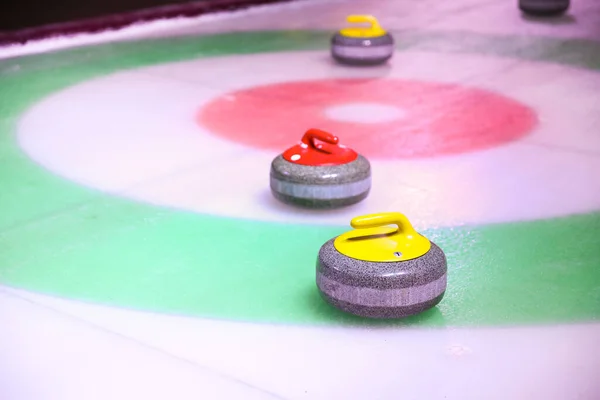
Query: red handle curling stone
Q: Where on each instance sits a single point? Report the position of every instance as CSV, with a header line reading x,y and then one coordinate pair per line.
x,y
319,148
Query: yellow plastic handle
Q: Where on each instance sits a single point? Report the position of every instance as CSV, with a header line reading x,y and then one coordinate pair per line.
x,y
372,30
374,240
364,19
383,219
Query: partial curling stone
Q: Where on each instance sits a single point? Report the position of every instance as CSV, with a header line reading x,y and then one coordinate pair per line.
x,y
362,45
319,172
544,8
381,271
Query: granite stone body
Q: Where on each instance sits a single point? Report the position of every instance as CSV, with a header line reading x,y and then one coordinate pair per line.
x,y
544,7
362,51
381,289
320,186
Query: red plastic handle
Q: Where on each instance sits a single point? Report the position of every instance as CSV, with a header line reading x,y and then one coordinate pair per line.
x,y
318,147
325,137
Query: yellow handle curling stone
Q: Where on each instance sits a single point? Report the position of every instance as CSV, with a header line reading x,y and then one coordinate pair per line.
x,y
362,45
382,269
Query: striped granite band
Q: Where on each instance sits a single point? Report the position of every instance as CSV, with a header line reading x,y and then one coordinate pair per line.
x,y
363,52
371,297
324,192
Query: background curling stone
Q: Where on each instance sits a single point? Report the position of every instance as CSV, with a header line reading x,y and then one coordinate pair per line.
x,y
544,7
379,271
362,45
320,173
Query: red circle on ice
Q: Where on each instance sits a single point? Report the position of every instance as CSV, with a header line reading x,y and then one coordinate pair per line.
x,y
432,118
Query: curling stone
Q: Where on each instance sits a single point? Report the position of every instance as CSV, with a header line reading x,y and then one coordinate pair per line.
x,y
362,45
319,172
380,271
544,7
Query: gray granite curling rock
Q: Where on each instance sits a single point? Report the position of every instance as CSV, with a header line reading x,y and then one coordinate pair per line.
x,y
381,289
362,51
544,7
320,186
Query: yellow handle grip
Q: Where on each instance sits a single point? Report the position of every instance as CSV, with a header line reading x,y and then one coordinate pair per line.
x,y
383,219
364,19
374,29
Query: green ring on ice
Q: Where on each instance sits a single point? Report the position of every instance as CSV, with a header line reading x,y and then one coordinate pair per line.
x,y
62,239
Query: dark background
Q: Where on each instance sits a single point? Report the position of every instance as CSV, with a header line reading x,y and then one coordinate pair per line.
x,y
19,14
22,20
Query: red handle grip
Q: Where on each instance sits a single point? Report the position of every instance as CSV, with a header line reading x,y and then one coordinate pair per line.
x,y
326,137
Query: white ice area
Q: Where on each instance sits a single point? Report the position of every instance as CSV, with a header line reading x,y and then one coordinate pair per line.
x,y
46,354
365,113
133,134
147,356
